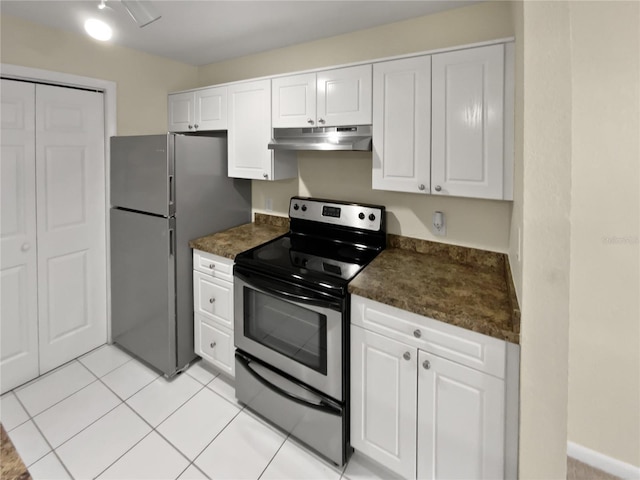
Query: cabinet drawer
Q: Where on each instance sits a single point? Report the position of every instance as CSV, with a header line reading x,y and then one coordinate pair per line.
x,y
214,265
213,298
484,353
214,344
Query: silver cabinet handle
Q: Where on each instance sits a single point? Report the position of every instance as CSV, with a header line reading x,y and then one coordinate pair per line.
x,y
211,300
196,126
190,127
321,120
266,176
212,344
212,266
417,333
438,188
421,186
406,356
426,364
25,246
310,121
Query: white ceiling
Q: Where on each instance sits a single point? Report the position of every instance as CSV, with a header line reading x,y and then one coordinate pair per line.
x,y
207,31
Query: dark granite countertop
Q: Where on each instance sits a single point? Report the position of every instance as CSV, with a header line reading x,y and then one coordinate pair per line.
x,y
466,287
461,286
233,241
11,465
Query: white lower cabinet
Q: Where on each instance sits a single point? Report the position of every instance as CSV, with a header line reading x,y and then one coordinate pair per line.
x,y
213,307
419,414
383,400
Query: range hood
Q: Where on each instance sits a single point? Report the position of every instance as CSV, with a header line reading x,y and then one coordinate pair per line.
x,y
322,138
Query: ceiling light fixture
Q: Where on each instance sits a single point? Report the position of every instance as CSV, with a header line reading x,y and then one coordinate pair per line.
x,y
141,11
98,29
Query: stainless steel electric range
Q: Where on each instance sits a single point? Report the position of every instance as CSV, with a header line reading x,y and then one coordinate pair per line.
x,y
292,320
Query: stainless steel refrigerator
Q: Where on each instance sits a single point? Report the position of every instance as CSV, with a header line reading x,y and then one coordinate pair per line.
x,y
165,191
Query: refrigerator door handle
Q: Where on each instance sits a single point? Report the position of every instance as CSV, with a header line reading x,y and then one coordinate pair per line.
x,y
172,190
172,242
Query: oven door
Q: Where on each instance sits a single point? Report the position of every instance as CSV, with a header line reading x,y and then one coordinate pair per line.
x,y
294,329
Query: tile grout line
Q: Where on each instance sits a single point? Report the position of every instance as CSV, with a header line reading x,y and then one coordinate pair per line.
x,y
153,429
53,450
274,456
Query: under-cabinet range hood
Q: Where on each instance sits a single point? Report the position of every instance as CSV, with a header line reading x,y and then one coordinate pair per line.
x,y
322,138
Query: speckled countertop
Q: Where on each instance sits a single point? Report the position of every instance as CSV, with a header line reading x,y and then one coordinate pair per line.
x,y
466,287
11,465
461,286
230,243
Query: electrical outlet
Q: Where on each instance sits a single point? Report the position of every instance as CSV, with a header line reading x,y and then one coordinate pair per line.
x,y
268,204
439,225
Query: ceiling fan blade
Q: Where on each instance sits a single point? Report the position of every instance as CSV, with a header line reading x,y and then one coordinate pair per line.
x,y
142,11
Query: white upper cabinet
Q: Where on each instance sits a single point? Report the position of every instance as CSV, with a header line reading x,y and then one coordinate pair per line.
x,y
443,124
250,133
402,125
200,110
329,98
294,101
468,122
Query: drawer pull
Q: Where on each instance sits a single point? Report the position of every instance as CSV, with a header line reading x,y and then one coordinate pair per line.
x,y
426,364
211,300
417,333
212,344
212,266
406,356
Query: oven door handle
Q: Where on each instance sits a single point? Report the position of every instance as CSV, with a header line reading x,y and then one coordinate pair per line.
x,y
269,287
322,405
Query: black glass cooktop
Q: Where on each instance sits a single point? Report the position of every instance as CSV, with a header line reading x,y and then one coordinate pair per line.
x,y
308,259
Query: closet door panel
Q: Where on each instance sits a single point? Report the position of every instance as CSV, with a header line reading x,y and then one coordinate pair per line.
x,y
71,223
18,261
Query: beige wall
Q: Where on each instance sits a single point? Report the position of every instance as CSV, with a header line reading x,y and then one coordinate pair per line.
x,y
515,236
143,80
476,223
604,347
578,148
546,145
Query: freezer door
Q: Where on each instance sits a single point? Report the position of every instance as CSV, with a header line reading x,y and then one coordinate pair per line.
x,y
143,312
142,173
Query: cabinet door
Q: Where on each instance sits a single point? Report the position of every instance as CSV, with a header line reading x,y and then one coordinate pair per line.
x,y
460,421
468,123
294,101
214,344
211,109
18,258
344,96
250,130
181,112
383,400
402,125
213,298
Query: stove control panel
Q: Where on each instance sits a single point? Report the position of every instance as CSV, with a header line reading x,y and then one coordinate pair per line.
x,y
365,217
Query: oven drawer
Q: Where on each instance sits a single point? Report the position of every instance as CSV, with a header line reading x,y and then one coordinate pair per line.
x,y
213,265
484,353
213,298
313,419
214,344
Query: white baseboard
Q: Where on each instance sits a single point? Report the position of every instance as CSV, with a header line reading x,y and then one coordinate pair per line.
x,y
603,462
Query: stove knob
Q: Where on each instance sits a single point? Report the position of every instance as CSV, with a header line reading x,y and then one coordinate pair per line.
x,y
304,208
361,216
295,206
372,217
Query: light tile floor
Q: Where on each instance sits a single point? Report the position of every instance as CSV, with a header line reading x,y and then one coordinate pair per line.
x,y
108,416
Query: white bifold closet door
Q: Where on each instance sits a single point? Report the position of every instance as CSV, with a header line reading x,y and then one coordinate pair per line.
x,y
53,258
